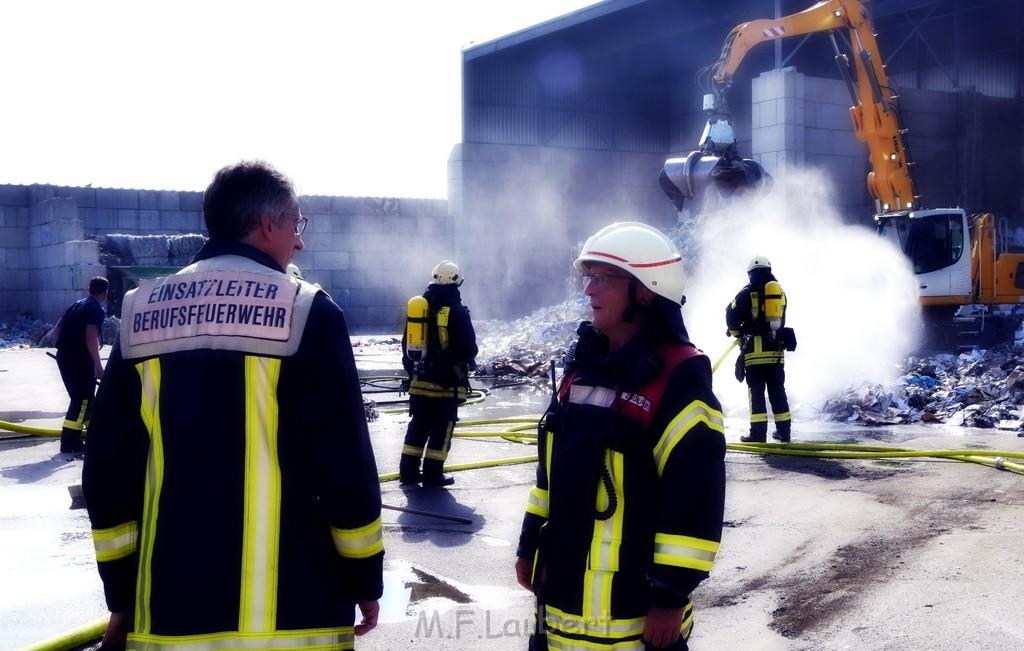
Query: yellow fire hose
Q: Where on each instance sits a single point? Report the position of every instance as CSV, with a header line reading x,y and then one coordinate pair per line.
x,y
725,354
26,429
72,638
523,430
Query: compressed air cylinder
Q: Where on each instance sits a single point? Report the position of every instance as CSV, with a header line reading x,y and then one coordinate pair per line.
x,y
416,328
773,304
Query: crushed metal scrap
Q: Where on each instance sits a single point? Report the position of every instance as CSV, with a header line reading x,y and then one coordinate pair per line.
x,y
983,388
525,347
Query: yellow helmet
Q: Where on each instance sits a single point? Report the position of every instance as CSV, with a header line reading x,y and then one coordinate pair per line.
x,y
447,273
642,251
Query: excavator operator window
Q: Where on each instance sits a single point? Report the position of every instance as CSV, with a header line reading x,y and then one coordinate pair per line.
x,y
935,242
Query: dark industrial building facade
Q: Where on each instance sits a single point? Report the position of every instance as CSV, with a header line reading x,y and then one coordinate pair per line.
x,y
566,124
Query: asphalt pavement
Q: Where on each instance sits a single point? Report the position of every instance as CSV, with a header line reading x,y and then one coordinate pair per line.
x,y
817,553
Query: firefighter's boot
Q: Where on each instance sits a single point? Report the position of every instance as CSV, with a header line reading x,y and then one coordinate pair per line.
x,y
782,431
758,433
409,470
71,441
437,482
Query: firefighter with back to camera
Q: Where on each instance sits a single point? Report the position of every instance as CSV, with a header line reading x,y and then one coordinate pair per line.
x,y
625,518
438,348
758,316
229,476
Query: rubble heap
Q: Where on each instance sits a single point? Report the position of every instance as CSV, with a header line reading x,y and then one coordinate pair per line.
x,y
27,332
983,388
23,333
524,348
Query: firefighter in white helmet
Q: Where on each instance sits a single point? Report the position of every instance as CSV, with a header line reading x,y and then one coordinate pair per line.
x,y
625,517
438,377
758,316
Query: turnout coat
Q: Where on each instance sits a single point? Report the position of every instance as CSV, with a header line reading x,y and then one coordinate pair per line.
x,y
229,477
627,508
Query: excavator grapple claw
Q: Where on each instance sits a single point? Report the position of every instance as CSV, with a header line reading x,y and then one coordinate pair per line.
x,y
683,178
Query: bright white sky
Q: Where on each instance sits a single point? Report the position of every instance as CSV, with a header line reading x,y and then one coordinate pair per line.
x,y
349,97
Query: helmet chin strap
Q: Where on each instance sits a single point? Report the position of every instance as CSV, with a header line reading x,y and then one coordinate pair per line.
x,y
630,312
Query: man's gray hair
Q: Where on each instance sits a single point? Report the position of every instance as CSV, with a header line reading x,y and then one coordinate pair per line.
x,y
241,194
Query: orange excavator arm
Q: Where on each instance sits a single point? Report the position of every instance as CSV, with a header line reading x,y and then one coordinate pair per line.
x,y
875,117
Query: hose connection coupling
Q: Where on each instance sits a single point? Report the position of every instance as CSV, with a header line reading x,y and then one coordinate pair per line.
x,y
998,463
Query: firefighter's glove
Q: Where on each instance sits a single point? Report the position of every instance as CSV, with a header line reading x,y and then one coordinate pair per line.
x,y
732,333
741,369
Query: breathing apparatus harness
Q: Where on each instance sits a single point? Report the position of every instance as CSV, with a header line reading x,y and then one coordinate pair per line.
x,y
589,352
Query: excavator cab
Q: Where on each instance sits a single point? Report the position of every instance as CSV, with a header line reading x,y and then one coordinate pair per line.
x,y
935,243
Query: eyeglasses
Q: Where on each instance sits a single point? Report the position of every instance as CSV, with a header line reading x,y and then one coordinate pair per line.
x,y
300,222
601,279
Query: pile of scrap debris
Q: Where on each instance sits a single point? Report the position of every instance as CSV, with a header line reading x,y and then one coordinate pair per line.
x,y
524,348
978,389
23,332
983,388
27,332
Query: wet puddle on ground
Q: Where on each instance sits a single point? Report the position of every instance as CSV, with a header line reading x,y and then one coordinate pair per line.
x,y
408,586
408,589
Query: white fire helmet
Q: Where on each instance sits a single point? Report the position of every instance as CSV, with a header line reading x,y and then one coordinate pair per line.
x,y
759,262
293,270
447,273
642,251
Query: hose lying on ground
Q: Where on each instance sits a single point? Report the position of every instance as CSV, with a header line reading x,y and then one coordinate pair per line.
x,y
75,637
27,429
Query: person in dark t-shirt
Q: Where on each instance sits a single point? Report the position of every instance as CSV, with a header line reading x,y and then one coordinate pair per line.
x,y
78,338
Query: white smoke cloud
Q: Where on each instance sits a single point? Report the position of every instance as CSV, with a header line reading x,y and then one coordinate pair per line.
x,y
852,297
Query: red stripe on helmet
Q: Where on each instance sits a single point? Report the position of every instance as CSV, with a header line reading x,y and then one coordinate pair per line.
x,y
659,264
608,255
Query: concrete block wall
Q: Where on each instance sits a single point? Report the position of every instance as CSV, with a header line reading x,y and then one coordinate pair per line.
x,y
373,254
370,254
60,260
15,273
804,122
965,147
520,214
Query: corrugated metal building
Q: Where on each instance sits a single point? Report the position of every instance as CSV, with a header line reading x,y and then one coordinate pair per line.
x,y
566,124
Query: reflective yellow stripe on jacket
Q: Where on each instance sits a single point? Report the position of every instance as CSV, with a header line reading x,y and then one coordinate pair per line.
x,y
694,413
116,542
611,632
149,409
758,355
316,639
684,551
605,545
537,503
361,542
262,525
418,387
